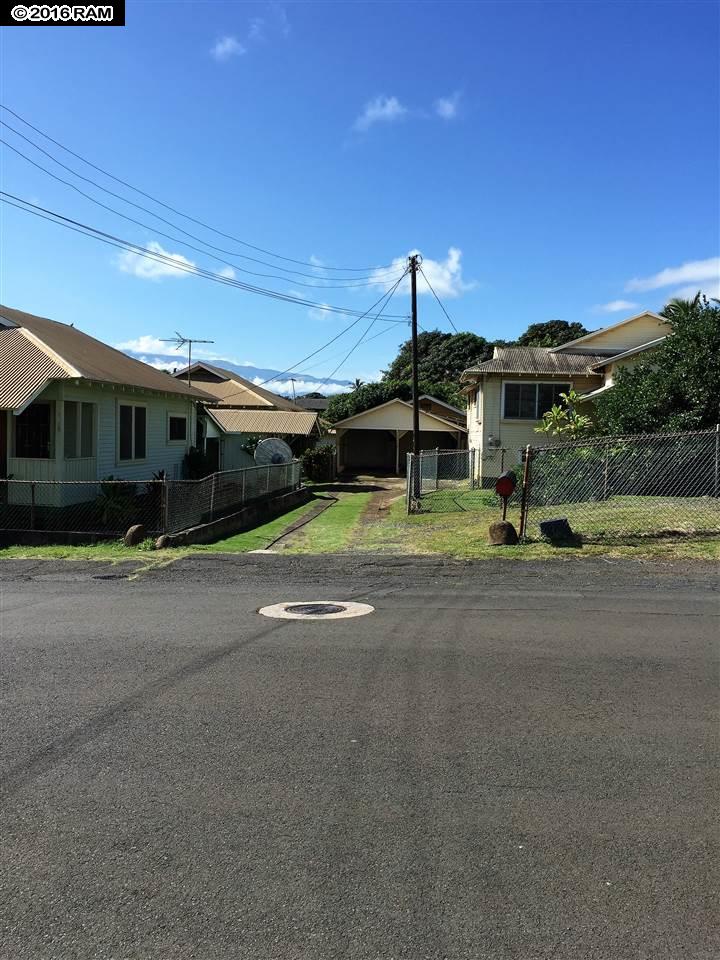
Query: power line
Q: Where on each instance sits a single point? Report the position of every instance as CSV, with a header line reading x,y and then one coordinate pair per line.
x,y
186,216
88,231
309,371
386,296
438,300
365,333
360,282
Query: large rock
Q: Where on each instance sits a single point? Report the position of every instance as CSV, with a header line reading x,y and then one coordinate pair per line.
x,y
134,536
163,542
557,531
503,534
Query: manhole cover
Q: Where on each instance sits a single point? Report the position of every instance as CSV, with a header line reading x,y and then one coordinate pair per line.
x,y
316,610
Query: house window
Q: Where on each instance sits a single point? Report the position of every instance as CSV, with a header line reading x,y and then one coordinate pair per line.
x,y
529,401
132,429
33,434
79,429
177,429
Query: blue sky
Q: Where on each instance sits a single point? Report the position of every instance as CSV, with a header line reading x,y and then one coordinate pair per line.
x,y
550,160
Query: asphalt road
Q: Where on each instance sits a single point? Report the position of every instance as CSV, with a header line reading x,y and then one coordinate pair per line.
x,y
503,761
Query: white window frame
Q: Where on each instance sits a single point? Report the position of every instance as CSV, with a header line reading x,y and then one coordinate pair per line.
x,y
78,429
536,383
176,416
133,459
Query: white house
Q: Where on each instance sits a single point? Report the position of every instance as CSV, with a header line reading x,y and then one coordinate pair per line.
x,y
73,408
508,394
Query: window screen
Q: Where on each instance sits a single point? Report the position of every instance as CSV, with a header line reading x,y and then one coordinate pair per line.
x,y
126,433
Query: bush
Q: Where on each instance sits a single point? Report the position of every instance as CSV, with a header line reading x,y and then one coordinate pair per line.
x,y
318,463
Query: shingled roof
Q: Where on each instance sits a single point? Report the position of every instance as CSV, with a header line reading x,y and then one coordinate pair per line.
x,y
536,360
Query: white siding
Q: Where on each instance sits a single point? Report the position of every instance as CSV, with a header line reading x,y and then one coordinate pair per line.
x,y
161,453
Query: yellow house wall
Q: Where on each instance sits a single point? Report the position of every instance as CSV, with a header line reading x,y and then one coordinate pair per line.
x,y
625,337
484,419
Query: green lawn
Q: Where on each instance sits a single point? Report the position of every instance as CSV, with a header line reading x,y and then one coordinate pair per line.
x,y
334,530
464,535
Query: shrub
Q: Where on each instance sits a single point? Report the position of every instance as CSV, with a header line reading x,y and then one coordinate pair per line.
x,y
318,463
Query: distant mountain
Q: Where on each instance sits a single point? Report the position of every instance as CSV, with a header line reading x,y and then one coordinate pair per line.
x,y
283,385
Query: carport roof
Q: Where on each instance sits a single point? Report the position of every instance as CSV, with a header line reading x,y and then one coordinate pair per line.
x,y
399,419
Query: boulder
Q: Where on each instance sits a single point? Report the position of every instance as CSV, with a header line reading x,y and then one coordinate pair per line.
x,y
162,542
503,534
557,531
134,536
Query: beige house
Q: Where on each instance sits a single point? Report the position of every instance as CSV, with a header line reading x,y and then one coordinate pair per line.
x,y
73,408
378,440
239,410
508,394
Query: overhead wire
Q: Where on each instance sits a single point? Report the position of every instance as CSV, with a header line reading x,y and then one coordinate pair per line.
x,y
180,213
360,282
442,307
386,296
362,337
183,267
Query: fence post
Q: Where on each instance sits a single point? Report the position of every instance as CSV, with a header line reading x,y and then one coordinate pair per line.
x,y
267,482
605,472
212,497
32,506
716,486
164,506
524,501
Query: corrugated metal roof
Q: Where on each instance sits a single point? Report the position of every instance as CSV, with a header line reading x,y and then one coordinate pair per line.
x,y
237,391
536,360
24,369
271,422
95,360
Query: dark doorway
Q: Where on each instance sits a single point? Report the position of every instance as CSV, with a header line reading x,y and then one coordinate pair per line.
x,y
212,450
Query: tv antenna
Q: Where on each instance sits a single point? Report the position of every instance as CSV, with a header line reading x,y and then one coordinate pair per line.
x,y
180,341
292,381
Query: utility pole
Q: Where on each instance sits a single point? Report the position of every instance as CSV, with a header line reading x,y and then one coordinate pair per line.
x,y
179,340
292,381
413,263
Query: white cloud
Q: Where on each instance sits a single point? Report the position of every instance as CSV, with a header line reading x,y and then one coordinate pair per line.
x,y
615,306
227,47
380,110
711,291
447,107
697,272
227,272
445,276
302,386
321,312
141,266
257,29
145,344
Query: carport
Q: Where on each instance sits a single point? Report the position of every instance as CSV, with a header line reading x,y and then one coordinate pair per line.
x,y
379,439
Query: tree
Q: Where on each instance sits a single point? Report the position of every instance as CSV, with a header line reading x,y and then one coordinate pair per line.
x,y
551,334
674,387
563,419
441,356
357,383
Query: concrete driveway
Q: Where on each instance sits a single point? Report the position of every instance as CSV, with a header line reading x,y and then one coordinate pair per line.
x,y
503,761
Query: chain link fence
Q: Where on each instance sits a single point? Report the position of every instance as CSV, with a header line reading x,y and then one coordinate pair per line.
x,y
447,481
621,488
110,507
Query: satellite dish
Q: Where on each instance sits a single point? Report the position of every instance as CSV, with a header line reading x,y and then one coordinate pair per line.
x,y
272,450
